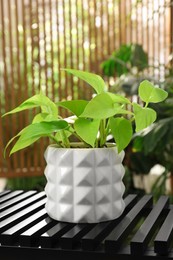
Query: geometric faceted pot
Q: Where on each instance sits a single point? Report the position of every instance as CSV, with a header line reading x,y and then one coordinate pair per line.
x,y
84,185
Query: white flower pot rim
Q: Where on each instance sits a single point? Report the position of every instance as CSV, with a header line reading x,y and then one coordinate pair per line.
x,y
81,146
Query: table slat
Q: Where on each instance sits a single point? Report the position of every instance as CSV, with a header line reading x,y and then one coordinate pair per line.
x,y
115,238
3,193
163,240
53,235
24,204
16,200
74,235
10,195
19,216
11,235
31,236
142,237
101,230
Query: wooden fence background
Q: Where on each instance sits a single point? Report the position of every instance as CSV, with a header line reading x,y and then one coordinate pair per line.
x,y
39,37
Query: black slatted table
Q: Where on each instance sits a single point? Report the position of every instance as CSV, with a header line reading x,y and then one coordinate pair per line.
x,y
144,231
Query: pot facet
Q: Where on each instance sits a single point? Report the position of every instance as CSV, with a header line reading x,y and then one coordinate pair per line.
x,y
84,185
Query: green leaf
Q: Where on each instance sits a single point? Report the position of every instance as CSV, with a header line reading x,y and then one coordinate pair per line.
x,y
102,106
44,117
87,129
39,118
92,79
150,94
121,129
44,128
138,142
37,100
158,132
122,56
33,132
139,58
22,143
143,116
109,67
118,98
9,142
75,106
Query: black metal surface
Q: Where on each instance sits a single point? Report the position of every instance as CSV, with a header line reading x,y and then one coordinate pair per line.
x,y
142,237
164,238
119,233
144,230
91,240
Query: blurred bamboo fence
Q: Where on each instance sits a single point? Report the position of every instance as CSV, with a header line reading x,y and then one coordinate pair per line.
x,y
39,37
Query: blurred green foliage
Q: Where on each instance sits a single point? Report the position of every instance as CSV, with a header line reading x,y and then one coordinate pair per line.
x,y
124,59
27,183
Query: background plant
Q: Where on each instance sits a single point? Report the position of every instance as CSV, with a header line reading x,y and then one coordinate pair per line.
x,y
126,67
123,60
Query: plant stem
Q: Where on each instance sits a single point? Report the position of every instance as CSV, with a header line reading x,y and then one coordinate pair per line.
x,y
132,119
107,128
102,132
76,135
65,139
55,140
146,104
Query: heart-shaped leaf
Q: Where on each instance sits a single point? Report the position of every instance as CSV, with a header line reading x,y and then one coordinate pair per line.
x,y
75,106
121,129
44,117
102,106
150,94
87,129
93,80
118,99
143,116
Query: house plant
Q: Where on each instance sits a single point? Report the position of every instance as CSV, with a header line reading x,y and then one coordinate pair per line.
x,y
84,177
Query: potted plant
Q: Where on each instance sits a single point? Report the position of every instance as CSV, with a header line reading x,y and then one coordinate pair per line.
x,y
84,178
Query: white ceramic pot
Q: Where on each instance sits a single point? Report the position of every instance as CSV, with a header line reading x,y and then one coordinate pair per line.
x,y
84,184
